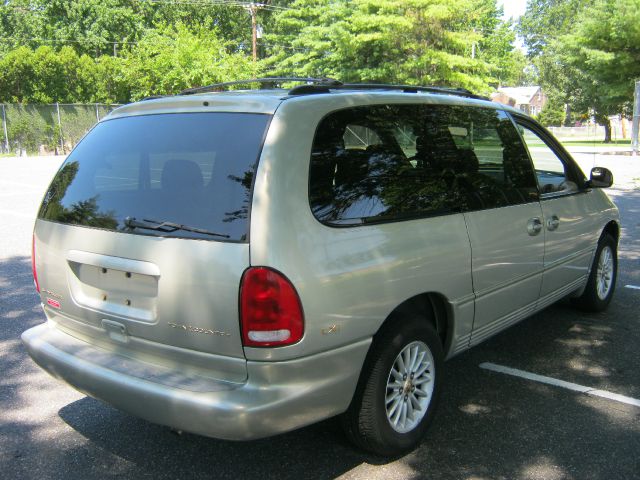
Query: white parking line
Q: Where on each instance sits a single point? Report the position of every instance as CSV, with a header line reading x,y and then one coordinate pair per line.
x,y
635,287
560,383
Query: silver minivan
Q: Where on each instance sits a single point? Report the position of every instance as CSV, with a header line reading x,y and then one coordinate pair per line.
x,y
239,264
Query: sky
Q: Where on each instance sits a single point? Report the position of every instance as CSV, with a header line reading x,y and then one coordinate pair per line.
x,y
513,8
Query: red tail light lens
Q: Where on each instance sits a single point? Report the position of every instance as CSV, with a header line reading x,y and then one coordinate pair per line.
x,y
270,310
33,264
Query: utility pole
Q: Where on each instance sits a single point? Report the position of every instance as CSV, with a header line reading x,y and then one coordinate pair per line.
x,y
60,128
253,10
4,127
636,119
473,46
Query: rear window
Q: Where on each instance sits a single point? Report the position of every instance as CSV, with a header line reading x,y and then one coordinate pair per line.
x,y
182,175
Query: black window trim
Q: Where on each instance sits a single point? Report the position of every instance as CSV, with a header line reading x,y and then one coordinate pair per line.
x,y
556,147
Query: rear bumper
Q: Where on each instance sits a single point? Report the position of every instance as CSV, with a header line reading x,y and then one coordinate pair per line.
x,y
277,397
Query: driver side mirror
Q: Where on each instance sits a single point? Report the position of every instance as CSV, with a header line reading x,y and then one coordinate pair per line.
x,y
600,178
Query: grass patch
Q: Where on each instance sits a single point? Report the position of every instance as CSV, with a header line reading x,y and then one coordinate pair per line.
x,y
597,143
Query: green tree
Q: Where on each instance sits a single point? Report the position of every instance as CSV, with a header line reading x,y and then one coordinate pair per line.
x,y
110,80
109,27
542,27
545,20
20,23
588,53
49,81
92,25
604,47
414,41
172,58
507,62
16,75
553,114
45,75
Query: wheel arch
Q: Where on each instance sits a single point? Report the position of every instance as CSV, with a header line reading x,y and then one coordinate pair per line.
x,y
433,307
612,228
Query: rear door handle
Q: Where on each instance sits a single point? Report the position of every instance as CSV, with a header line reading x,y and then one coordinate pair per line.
x,y
553,222
534,226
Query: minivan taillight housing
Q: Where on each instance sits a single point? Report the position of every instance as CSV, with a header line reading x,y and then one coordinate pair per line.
x,y
270,309
33,264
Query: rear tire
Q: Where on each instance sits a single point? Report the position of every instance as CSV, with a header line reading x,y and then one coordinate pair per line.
x,y
398,389
602,278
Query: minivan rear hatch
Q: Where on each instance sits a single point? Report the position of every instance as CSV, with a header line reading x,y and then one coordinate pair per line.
x,y
142,237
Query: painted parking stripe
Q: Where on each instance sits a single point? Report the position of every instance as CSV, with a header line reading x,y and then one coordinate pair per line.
x,y
560,383
634,287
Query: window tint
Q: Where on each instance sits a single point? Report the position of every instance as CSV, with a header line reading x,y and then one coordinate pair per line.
x,y
193,169
552,174
420,160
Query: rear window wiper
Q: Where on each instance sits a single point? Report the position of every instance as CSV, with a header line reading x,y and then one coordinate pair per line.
x,y
148,224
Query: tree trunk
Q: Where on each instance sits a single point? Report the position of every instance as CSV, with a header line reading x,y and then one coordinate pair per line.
x,y
567,117
607,130
604,120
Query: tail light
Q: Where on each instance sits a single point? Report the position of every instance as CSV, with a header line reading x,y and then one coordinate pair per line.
x,y
33,264
270,310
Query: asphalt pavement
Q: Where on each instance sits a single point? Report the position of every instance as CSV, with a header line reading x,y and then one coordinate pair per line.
x,y
489,426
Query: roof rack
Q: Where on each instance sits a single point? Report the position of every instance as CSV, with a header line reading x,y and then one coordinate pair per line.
x,y
153,97
267,82
315,88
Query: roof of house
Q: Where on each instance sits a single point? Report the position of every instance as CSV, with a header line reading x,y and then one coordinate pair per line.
x,y
522,95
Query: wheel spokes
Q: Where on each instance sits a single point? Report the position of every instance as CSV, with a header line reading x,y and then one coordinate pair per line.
x,y
409,387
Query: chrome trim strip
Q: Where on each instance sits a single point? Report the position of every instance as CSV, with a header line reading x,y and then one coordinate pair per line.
x,y
497,326
463,300
558,294
461,345
493,328
568,258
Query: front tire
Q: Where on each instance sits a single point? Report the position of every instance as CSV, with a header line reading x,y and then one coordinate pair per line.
x,y
602,279
398,390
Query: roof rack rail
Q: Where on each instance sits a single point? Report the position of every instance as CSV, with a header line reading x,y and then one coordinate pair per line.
x,y
153,97
315,88
268,82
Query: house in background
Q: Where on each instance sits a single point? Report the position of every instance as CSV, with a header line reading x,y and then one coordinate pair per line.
x,y
530,100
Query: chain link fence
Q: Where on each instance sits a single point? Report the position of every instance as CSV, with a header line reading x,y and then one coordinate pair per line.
x,y
30,129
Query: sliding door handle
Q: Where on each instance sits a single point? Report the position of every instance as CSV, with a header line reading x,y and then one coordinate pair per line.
x,y
534,226
553,222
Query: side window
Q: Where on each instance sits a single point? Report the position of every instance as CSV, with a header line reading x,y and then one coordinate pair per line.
x,y
551,172
360,175
478,152
387,162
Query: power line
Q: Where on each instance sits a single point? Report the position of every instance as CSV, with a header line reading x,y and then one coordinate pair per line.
x,y
217,3
285,47
127,42
203,3
67,40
